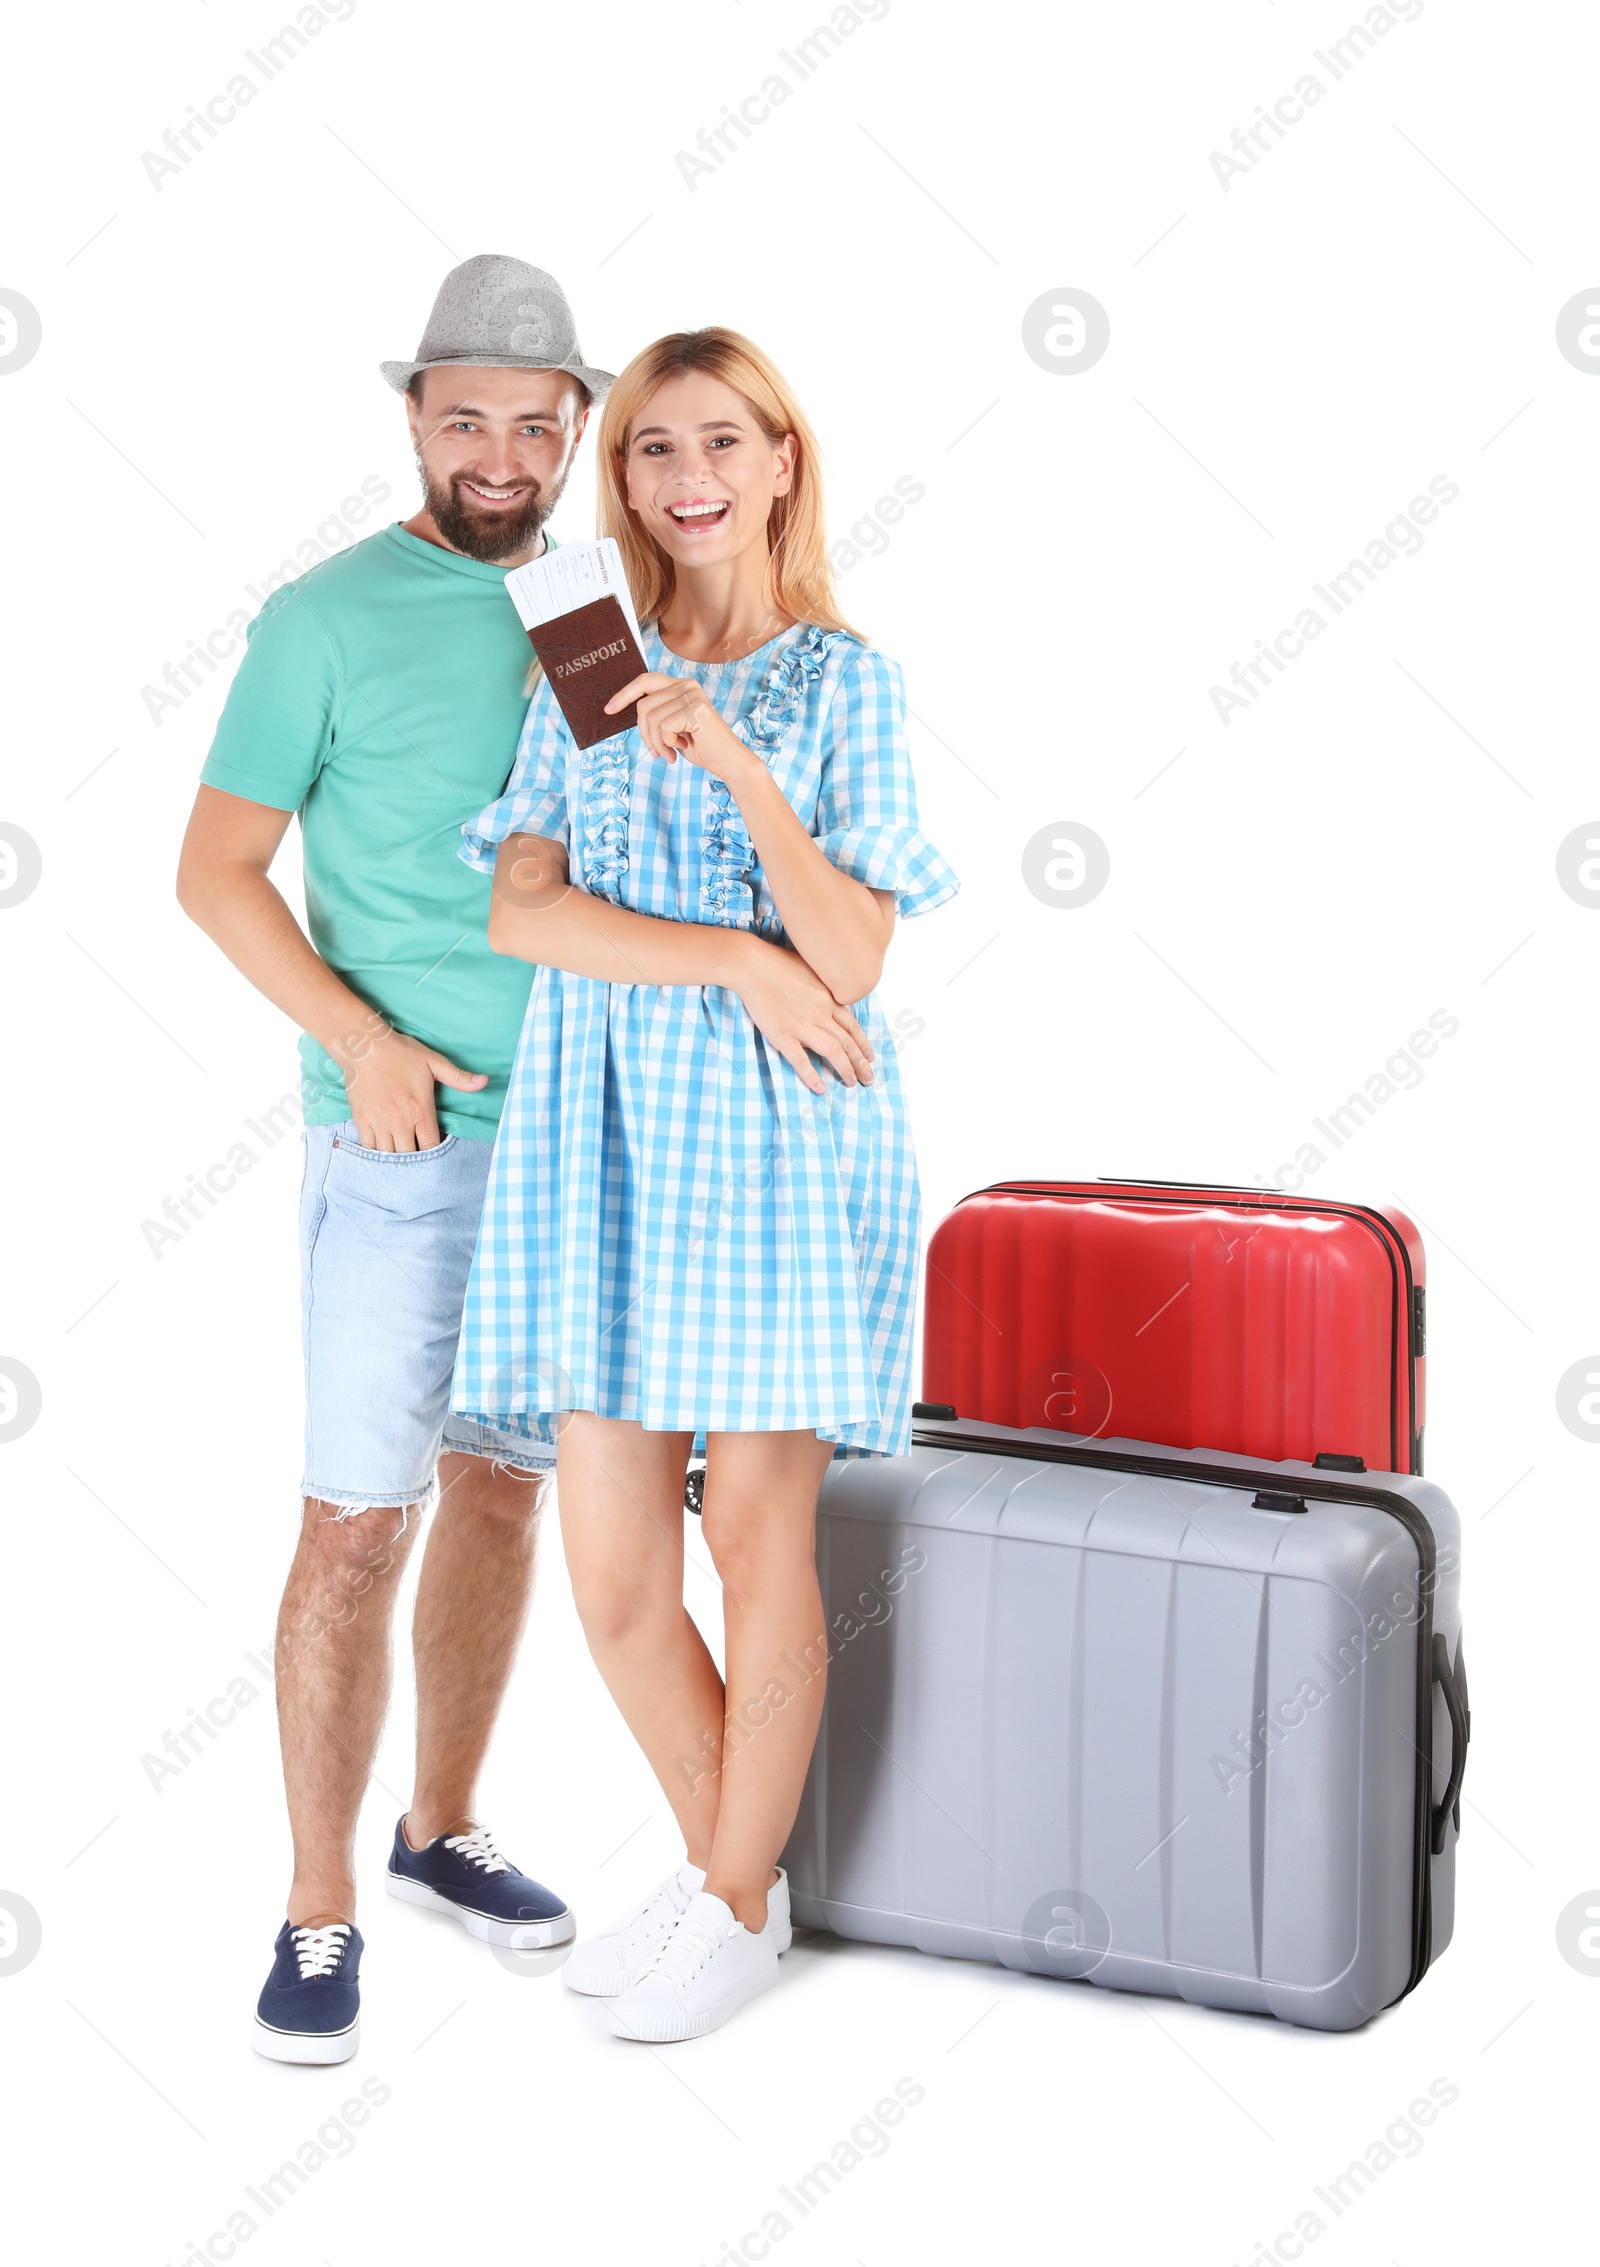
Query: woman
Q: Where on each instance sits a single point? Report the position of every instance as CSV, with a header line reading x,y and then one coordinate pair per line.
x,y
703,1211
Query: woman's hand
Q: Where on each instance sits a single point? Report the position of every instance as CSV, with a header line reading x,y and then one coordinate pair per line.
x,y
676,719
795,1012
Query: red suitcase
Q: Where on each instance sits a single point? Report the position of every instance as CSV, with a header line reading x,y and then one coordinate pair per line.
x,y
1239,1319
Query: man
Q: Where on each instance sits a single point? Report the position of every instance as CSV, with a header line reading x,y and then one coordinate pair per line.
x,y
380,698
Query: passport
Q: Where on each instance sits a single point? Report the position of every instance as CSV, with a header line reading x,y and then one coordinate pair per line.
x,y
578,612
588,655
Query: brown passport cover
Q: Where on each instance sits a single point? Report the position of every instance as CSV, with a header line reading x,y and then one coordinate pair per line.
x,y
588,655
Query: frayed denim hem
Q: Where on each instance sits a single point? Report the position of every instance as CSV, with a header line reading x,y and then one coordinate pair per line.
x,y
352,1507
504,1463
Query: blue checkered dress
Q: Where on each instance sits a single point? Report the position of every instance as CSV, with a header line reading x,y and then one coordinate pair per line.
x,y
677,1230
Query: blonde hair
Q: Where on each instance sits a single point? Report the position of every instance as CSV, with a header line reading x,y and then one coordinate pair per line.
x,y
799,571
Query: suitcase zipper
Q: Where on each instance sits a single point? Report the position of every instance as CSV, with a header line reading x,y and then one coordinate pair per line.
x,y
1433,1659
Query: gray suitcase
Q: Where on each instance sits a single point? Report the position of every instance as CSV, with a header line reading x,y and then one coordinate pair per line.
x,y
1167,1720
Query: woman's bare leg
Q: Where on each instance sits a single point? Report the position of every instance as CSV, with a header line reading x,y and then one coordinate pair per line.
x,y
620,1490
760,1527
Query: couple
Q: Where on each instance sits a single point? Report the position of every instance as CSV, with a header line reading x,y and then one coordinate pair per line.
x,y
606,1158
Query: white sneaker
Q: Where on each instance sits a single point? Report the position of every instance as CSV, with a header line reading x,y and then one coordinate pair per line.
x,y
606,1965
706,1971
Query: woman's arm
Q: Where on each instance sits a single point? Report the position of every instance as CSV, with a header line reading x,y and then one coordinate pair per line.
x,y
537,913
838,925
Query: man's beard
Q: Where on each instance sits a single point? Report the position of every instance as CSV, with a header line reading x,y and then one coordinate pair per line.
x,y
489,536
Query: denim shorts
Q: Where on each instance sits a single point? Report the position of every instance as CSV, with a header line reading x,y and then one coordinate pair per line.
x,y
386,1241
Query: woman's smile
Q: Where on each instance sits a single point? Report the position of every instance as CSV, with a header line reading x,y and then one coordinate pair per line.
x,y
697,514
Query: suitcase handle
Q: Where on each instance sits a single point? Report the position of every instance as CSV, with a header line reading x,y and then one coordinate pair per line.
x,y
1453,1684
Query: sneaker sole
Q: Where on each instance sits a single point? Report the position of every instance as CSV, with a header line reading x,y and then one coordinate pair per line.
x,y
306,2046
666,2028
625,1981
608,1990
512,1936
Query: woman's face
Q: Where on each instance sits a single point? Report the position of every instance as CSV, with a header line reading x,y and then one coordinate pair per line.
x,y
702,474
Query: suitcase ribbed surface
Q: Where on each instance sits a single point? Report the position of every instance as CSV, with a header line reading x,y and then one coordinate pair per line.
x,y
1098,1724
1271,1329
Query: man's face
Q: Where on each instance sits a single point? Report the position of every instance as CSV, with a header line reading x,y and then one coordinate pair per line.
x,y
494,448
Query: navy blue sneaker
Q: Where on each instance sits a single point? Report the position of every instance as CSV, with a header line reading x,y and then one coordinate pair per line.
x,y
466,1875
310,2009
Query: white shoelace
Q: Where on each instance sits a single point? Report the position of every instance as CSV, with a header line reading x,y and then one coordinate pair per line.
x,y
479,1847
659,1910
686,1951
319,1951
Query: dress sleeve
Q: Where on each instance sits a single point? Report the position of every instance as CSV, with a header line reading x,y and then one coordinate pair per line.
x,y
867,806
535,799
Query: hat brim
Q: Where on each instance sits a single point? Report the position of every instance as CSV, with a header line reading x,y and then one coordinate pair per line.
x,y
400,374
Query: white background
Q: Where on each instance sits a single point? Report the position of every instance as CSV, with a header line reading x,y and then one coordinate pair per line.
x,y
1292,358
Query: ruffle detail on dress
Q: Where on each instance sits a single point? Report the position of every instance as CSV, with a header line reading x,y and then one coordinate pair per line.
x,y
726,857
606,778
726,851
898,858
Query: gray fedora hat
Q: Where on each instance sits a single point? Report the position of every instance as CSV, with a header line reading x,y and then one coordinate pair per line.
x,y
495,313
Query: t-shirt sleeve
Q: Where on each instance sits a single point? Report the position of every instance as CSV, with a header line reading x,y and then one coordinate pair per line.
x,y
867,805
281,718
535,800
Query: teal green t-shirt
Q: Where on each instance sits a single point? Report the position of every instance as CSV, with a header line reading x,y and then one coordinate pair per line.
x,y
381,697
